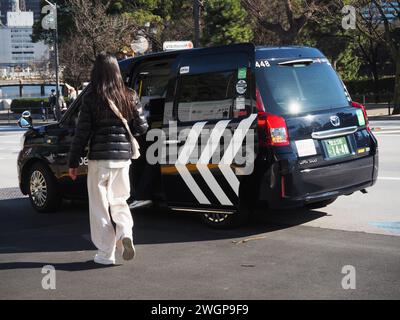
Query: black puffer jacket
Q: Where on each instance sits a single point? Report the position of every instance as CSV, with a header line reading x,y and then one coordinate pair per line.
x,y
108,137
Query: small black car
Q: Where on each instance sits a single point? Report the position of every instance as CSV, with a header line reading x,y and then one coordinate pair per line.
x,y
307,143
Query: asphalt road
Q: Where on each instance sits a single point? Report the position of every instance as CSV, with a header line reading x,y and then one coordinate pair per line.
x,y
297,254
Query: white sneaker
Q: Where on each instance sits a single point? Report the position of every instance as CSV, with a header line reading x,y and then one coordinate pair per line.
x,y
140,204
129,249
100,260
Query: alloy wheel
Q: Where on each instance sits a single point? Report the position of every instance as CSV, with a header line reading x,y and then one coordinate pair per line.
x,y
216,217
38,188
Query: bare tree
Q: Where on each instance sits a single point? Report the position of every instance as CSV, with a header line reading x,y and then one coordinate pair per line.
x,y
75,62
369,49
285,19
98,30
380,21
41,69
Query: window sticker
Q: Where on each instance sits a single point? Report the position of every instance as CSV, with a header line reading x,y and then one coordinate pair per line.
x,y
262,64
184,70
360,116
240,103
241,86
242,73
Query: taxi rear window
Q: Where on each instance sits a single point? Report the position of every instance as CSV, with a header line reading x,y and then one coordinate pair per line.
x,y
290,87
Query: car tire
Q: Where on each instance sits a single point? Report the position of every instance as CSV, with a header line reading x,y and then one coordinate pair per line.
x,y
43,189
223,220
320,204
227,221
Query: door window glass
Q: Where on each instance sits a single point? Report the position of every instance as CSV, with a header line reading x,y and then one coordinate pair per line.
x,y
213,96
151,83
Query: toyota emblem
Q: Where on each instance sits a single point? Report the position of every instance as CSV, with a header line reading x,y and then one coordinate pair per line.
x,y
335,121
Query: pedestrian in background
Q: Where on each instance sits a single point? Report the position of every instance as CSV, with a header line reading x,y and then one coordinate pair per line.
x,y
110,116
53,103
62,104
71,93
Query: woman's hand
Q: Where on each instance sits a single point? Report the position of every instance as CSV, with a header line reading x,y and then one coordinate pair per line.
x,y
73,172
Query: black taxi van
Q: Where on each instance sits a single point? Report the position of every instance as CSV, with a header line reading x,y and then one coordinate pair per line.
x,y
305,141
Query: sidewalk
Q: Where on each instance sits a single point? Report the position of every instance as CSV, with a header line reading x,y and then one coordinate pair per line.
x,y
380,112
36,122
384,118
10,119
381,115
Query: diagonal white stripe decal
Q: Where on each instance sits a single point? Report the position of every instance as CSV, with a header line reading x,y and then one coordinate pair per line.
x,y
212,144
183,159
232,150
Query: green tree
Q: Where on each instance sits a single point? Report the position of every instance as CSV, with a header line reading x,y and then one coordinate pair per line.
x,y
225,22
282,21
348,64
353,54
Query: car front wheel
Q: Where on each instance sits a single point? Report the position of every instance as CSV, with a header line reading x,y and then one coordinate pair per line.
x,y
43,189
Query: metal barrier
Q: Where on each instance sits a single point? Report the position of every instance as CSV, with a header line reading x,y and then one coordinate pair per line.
x,y
12,117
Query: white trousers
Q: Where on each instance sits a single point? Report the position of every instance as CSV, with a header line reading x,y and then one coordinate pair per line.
x,y
108,188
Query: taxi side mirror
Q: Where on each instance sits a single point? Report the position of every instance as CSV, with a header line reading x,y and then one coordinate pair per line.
x,y
26,120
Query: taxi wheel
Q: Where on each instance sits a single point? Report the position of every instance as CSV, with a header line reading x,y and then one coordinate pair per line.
x,y
43,189
225,221
320,204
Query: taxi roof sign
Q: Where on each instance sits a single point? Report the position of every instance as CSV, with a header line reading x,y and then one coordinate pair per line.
x,y
177,45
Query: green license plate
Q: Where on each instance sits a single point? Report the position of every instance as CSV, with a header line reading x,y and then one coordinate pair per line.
x,y
336,147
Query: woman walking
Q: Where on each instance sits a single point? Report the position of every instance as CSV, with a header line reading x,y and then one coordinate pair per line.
x,y
109,117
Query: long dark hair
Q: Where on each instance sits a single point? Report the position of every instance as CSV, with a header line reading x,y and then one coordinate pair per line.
x,y
107,84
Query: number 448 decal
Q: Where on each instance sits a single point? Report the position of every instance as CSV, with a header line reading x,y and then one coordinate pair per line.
x,y
262,64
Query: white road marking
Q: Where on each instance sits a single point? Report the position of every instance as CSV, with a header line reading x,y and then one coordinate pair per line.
x,y
388,135
386,131
389,178
10,149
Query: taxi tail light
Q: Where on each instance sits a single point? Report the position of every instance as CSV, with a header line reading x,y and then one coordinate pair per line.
x,y
272,128
360,106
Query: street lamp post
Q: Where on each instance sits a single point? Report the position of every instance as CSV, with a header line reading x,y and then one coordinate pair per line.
x,y
196,19
56,60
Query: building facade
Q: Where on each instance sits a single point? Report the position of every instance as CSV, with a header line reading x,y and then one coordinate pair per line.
x,y
17,49
19,5
34,6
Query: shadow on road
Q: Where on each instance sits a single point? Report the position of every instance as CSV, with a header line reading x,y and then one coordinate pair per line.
x,y
70,266
24,230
